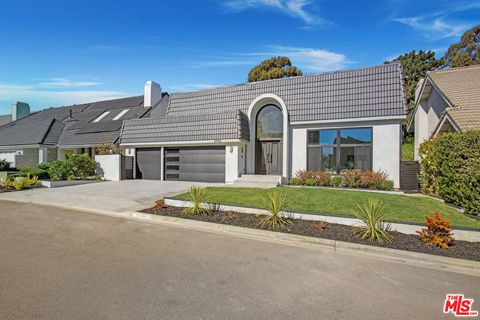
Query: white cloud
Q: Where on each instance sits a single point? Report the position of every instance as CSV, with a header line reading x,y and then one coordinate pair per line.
x,y
307,59
37,96
435,27
294,8
67,83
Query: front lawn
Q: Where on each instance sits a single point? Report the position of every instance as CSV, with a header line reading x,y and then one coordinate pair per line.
x,y
341,203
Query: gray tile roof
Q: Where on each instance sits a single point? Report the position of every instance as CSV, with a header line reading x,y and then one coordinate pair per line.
x,y
72,125
44,131
199,127
360,93
203,115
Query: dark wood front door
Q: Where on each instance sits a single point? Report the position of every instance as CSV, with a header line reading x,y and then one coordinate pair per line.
x,y
269,157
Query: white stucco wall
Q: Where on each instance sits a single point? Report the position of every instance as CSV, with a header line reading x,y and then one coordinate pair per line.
x,y
108,166
8,155
386,145
232,163
421,126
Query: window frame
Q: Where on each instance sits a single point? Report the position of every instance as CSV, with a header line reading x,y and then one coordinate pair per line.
x,y
338,145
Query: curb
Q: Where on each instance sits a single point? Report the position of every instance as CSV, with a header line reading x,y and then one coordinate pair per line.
x,y
400,256
459,234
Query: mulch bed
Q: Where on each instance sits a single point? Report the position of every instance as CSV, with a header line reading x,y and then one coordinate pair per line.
x,y
459,249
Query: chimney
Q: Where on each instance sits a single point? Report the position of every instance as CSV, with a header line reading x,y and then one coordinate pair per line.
x,y
152,94
20,110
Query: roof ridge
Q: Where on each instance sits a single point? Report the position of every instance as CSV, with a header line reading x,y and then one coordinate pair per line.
x,y
454,69
288,78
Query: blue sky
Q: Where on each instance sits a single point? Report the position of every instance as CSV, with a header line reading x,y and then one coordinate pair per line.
x,y
55,53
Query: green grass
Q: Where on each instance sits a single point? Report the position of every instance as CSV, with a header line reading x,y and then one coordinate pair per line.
x,y
408,148
341,203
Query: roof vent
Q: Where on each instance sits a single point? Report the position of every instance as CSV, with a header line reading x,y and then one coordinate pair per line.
x,y
152,94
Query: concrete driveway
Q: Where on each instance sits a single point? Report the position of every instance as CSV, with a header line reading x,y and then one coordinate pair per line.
x,y
119,196
62,264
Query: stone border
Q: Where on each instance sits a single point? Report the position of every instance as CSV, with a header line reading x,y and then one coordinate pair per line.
x,y
65,183
465,235
462,266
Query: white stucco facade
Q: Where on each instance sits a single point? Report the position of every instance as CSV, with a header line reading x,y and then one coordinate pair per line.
x,y
386,145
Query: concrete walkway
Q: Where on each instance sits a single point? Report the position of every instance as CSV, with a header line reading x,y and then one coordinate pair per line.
x,y
62,264
118,196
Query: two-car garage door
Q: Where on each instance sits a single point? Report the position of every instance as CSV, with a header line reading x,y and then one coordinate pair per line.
x,y
203,164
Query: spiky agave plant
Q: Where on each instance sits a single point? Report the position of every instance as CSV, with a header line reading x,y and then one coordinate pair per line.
x,y
372,214
197,196
276,203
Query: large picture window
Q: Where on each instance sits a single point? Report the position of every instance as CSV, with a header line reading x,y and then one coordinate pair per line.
x,y
336,150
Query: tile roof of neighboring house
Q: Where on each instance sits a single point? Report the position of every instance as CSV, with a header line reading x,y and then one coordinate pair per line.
x,y
5,119
44,131
461,87
73,125
360,93
199,127
203,115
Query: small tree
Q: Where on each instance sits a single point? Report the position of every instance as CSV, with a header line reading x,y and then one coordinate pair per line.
x,y
436,232
273,68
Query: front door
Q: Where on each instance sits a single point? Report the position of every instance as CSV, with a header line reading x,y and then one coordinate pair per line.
x,y
269,157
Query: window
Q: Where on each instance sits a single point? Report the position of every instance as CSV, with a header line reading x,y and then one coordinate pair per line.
x,y
270,123
335,150
118,116
100,117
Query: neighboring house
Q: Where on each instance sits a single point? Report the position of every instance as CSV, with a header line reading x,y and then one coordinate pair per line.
x,y
446,101
332,121
49,134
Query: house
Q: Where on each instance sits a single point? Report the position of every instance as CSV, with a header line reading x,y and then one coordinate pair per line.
x,y
50,134
331,121
446,101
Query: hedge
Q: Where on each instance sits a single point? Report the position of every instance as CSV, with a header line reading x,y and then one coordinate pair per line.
x,y
451,169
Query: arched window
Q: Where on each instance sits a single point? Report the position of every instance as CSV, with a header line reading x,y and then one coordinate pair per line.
x,y
270,123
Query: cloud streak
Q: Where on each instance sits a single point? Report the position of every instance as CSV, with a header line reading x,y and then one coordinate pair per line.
x,y
307,59
295,8
436,28
67,83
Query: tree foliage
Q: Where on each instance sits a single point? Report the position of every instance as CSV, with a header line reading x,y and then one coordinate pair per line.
x,y
273,68
415,67
466,52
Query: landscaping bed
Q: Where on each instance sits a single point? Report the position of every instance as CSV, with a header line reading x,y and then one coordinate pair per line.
x,y
332,231
328,201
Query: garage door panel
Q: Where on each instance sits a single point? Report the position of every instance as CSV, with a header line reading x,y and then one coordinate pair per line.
x,y
149,163
203,164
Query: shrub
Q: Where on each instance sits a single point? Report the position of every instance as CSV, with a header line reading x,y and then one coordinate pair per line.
x,y
295,181
276,203
386,185
4,165
451,169
310,182
59,170
336,181
20,183
436,232
323,178
160,204
81,165
39,172
103,149
372,179
77,165
303,175
372,215
352,178
197,196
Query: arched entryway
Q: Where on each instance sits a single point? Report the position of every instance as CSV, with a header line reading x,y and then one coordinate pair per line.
x,y
269,141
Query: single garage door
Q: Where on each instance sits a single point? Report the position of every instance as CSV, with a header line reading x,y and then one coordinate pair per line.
x,y
203,164
149,163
